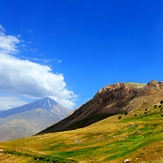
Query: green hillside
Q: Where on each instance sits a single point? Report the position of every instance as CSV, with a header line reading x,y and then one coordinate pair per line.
x,y
137,135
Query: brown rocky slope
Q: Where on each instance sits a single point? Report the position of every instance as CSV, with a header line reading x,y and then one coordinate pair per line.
x,y
112,99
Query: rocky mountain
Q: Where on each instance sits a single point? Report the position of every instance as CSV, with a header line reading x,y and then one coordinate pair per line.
x,y
31,118
112,99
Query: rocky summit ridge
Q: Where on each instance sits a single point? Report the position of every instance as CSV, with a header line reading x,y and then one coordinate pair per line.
x,y
114,92
110,100
155,85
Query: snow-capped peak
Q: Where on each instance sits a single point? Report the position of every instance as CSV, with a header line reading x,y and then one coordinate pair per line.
x,y
44,103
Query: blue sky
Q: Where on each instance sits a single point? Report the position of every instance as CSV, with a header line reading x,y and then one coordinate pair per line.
x,y
81,46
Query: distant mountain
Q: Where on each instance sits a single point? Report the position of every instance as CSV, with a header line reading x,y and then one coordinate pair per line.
x,y
111,100
31,118
44,103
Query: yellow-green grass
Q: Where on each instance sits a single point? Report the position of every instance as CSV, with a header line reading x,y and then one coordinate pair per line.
x,y
137,136
136,85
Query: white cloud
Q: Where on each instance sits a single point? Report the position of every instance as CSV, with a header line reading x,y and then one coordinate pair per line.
x,y
59,61
7,42
8,102
30,31
2,30
42,60
27,78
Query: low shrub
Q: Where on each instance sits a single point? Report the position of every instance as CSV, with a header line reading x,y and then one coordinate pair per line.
x,y
161,102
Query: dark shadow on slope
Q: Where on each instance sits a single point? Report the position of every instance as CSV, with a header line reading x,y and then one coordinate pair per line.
x,y
60,126
89,120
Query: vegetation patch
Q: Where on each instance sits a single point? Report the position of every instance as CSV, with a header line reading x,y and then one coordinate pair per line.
x,y
46,158
79,152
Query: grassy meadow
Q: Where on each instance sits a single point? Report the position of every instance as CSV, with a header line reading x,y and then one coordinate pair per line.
x,y
137,135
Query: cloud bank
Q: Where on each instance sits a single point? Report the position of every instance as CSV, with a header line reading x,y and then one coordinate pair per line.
x,y
8,102
27,78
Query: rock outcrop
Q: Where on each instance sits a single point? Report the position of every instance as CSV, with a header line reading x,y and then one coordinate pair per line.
x,y
115,93
154,85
